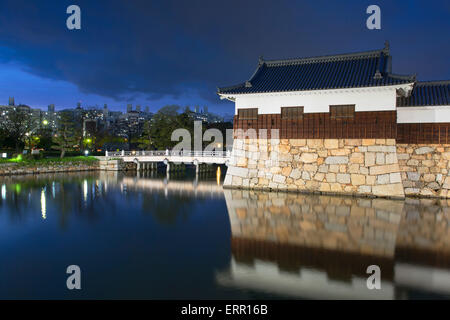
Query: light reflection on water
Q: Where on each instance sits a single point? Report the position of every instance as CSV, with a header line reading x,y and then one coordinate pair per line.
x,y
185,237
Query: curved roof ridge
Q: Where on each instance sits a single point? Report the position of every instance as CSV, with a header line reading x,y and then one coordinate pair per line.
x,y
411,77
432,82
326,58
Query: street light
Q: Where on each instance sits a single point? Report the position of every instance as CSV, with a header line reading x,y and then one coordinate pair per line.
x,y
45,122
86,152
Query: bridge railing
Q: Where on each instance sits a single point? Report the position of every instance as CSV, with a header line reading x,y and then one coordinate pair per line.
x,y
169,153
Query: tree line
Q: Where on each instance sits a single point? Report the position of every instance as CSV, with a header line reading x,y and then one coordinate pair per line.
x,y
18,131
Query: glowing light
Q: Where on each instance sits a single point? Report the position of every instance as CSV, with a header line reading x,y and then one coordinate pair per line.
x,y
86,152
85,190
43,205
4,191
218,174
45,122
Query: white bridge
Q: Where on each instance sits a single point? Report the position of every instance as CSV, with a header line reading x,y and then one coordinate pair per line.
x,y
145,158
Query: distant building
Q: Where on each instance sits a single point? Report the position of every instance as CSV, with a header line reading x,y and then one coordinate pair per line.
x,y
129,108
138,108
11,102
147,109
51,108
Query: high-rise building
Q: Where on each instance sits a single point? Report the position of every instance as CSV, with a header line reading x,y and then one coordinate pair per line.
x,y
138,108
147,109
11,101
205,109
79,105
129,108
51,108
197,109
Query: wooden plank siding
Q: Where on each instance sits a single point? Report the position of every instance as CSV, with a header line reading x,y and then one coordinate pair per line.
x,y
365,125
423,133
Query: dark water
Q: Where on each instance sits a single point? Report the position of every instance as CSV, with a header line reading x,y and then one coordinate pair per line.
x,y
182,238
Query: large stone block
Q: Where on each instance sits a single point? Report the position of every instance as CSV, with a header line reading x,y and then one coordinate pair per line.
x,y
336,160
413,176
358,179
388,168
423,150
278,178
298,142
343,178
237,171
389,190
357,157
308,157
295,174
381,149
331,143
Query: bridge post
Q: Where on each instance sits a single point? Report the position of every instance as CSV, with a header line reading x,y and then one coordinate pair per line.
x,y
106,153
168,167
123,153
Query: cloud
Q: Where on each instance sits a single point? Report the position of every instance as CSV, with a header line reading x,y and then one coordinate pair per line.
x,y
166,48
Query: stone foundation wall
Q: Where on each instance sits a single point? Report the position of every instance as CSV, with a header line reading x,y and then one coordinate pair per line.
x,y
340,166
106,164
63,167
424,169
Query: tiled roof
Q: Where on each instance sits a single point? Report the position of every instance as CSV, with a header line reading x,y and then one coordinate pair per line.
x,y
432,93
363,69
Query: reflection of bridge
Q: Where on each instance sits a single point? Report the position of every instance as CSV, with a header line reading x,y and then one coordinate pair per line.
x,y
203,188
171,156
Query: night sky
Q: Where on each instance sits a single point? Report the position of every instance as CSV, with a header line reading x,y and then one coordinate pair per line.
x,y
177,52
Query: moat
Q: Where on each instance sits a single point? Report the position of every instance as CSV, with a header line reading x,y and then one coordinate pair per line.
x,y
182,237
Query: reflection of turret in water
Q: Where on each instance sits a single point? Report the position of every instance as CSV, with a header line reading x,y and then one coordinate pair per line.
x,y
320,246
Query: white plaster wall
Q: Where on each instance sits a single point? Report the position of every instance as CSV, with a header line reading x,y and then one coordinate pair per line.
x,y
377,99
423,114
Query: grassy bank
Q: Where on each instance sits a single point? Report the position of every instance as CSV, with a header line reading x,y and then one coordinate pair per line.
x,y
28,162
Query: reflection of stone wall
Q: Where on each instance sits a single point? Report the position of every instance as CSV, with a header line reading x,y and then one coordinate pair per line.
x,y
425,169
367,226
350,166
424,233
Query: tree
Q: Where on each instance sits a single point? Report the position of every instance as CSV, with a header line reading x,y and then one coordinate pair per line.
x,y
67,136
17,125
145,141
165,121
45,138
